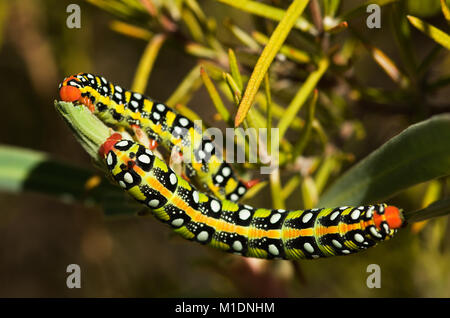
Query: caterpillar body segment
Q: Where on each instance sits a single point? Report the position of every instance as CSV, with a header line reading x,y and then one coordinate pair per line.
x,y
242,229
135,113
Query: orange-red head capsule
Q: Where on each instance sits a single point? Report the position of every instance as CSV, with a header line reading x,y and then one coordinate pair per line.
x,y
69,93
391,215
109,144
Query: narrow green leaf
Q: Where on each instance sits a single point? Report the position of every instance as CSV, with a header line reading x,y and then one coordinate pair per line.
x,y
215,97
193,26
290,186
269,12
309,193
185,89
25,170
234,68
268,110
268,54
289,51
438,208
275,189
241,35
146,63
233,86
445,10
437,35
420,153
306,133
302,95
130,30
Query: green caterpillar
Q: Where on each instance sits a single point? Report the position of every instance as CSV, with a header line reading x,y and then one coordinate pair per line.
x,y
242,229
136,113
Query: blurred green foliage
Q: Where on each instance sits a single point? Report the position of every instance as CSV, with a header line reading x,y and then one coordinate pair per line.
x,y
337,90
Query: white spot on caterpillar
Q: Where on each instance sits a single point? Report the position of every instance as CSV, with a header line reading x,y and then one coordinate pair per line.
x,y
153,203
237,246
334,215
178,130
122,143
209,148
156,116
241,190
307,217
202,236
128,177
201,154
355,214
273,249
215,206
149,152
219,178
336,243
281,210
345,251
275,218
244,214
118,88
144,159
109,159
359,238
118,96
183,121
226,171
137,96
122,184
315,256
374,232
195,196
160,107
370,212
308,247
342,208
134,103
173,178
386,228
177,222
234,197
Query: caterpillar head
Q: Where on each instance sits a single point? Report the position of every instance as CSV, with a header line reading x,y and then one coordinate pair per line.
x,y
70,89
391,215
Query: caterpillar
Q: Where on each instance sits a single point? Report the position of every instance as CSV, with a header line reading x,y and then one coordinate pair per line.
x,y
137,113
242,229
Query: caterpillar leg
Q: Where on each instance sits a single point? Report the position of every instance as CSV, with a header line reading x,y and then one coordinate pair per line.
x,y
143,138
251,183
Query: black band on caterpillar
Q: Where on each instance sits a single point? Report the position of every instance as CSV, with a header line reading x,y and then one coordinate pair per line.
x,y
124,109
242,229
